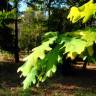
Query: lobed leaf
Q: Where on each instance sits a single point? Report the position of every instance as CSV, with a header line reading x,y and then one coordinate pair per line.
x,y
38,53
75,46
84,12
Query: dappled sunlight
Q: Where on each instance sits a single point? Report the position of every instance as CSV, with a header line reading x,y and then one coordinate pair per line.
x,y
47,55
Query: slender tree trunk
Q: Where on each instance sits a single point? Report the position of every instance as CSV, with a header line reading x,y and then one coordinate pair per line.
x,y
16,35
49,13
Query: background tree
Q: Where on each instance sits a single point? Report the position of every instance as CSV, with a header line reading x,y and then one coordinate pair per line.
x,y
8,10
31,28
6,17
16,2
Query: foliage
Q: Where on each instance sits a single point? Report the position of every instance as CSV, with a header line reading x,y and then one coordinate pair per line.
x,y
30,68
58,21
42,62
84,12
31,29
41,4
7,17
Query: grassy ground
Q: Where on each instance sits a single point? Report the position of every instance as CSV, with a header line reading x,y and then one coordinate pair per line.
x,y
76,83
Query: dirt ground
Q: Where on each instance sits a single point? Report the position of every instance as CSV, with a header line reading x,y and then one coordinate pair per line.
x,y
78,82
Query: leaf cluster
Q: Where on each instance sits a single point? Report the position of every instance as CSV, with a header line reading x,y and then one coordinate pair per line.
x,y
7,17
42,62
84,12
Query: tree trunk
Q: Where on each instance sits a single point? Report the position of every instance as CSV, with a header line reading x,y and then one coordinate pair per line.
x,y
16,35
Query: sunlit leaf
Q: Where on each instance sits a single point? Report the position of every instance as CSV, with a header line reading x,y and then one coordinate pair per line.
x,y
31,78
84,12
38,53
74,46
90,50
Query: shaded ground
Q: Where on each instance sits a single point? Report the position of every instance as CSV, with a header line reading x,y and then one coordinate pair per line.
x,y
78,82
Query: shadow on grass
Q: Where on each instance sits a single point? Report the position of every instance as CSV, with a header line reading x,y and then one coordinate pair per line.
x,y
8,73
78,82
